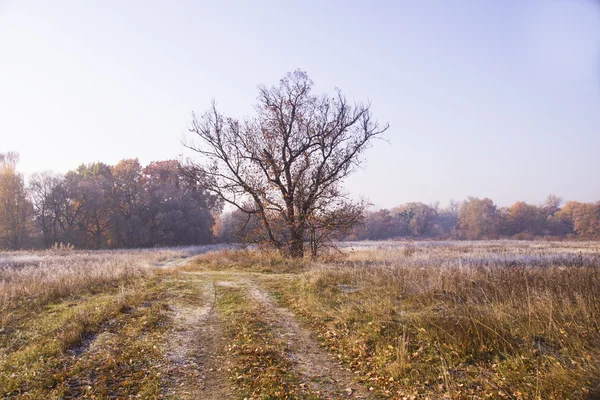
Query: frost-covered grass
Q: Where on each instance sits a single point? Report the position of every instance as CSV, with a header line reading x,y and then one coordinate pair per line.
x,y
498,319
86,324
464,320
31,279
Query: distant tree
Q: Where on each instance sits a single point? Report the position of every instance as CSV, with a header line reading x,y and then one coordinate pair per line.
x,y
550,208
586,219
218,229
103,206
127,203
286,165
562,222
478,218
178,210
400,221
69,203
15,208
90,189
44,189
552,205
446,218
454,206
378,225
524,218
415,219
239,227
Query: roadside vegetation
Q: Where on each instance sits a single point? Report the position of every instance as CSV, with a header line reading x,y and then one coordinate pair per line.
x,y
55,304
259,368
498,320
398,320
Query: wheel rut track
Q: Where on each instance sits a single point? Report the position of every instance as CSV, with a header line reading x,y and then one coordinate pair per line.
x,y
195,369
313,365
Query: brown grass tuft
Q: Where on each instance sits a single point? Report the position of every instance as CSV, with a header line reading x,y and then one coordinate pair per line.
x,y
509,319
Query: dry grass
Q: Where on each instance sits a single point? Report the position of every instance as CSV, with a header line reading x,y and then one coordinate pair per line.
x,y
55,302
465,320
259,261
35,359
29,280
497,319
109,344
259,369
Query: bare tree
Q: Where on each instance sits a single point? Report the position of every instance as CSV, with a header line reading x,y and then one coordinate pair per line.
x,y
286,165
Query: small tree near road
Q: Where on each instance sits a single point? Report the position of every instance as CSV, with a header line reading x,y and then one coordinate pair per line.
x,y
285,167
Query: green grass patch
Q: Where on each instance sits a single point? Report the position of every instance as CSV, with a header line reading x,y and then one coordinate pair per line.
x,y
260,369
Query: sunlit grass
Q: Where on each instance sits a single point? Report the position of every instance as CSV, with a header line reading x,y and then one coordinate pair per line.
x,y
28,280
247,261
459,321
259,368
55,301
500,319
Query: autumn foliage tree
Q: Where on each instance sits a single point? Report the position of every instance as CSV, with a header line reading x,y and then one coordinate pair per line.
x,y
15,207
523,218
286,166
177,210
124,205
581,218
478,219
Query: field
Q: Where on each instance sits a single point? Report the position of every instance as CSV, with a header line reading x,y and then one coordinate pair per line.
x,y
397,320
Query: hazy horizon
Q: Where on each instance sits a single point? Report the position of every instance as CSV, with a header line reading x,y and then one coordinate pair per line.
x,y
487,99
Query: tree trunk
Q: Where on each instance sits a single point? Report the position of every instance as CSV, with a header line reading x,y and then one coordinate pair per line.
x,y
297,243
314,246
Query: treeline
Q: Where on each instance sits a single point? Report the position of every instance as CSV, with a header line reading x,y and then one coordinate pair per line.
x,y
471,219
127,205
104,206
477,218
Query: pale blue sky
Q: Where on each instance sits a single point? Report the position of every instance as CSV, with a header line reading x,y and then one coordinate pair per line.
x,y
484,98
